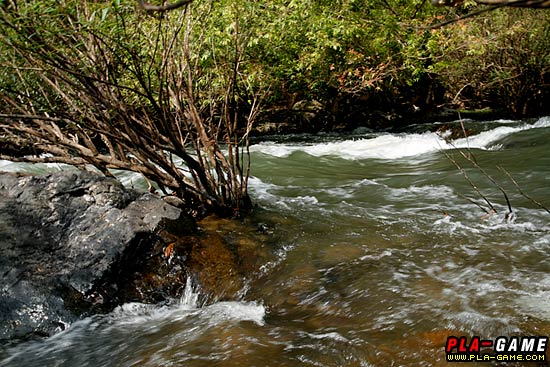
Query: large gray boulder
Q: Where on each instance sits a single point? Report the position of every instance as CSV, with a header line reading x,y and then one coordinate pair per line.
x,y
71,244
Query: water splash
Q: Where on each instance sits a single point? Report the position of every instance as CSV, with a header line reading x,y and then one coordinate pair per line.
x,y
190,296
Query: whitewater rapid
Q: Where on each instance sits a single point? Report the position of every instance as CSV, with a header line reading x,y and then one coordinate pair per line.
x,y
394,146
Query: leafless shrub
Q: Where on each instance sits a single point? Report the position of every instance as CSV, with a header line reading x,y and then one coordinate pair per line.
x,y
130,94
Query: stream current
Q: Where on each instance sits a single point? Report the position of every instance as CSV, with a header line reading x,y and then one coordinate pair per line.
x,y
377,257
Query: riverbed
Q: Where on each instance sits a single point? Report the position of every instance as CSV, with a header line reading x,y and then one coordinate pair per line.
x,y
381,249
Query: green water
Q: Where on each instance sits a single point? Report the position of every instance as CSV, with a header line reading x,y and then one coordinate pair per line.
x,y
376,258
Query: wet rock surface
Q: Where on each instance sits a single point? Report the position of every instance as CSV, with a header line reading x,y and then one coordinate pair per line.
x,y
76,243
222,257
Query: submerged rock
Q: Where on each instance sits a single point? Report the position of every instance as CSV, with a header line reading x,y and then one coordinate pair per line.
x,y
76,243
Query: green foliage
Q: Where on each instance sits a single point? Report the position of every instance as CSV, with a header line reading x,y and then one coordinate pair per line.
x,y
319,49
500,59
323,49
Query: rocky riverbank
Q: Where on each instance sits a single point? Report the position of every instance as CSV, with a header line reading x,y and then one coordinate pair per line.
x,y
311,116
76,243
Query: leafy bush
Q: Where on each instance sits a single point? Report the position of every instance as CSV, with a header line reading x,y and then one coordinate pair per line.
x,y
500,60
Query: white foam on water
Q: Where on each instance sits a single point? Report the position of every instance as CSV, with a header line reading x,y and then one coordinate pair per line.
x,y
383,147
188,305
274,149
376,256
280,256
9,166
429,192
235,311
537,304
331,335
368,182
484,139
134,313
543,241
479,323
534,297
55,344
306,200
265,191
505,121
340,192
143,318
392,146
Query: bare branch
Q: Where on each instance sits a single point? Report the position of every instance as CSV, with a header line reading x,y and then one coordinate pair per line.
x,y
113,106
537,203
472,184
489,177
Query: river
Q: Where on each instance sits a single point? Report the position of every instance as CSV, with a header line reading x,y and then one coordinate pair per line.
x,y
377,258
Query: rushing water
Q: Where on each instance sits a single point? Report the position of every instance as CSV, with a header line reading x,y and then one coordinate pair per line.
x,y
378,258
